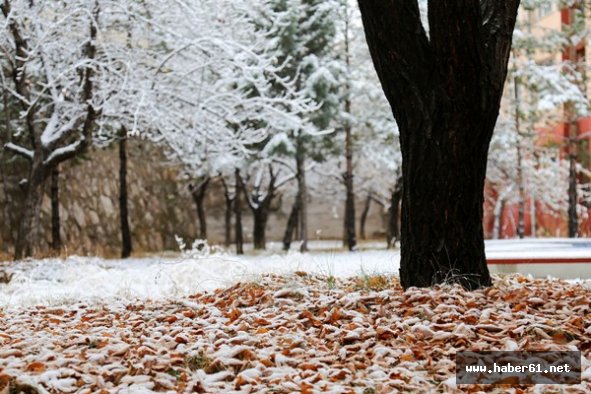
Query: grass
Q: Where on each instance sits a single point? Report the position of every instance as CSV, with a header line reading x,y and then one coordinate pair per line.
x,y
197,361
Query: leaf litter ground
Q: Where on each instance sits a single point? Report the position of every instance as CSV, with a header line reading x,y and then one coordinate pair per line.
x,y
293,333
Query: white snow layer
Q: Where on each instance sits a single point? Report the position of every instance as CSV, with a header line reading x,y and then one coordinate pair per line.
x,y
95,280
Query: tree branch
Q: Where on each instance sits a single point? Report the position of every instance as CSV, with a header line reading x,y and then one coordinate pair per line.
x,y
19,150
498,21
81,144
399,48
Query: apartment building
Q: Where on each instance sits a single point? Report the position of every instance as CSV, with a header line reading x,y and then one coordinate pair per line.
x,y
566,132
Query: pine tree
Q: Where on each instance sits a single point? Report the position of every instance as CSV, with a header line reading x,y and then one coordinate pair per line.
x,y
302,33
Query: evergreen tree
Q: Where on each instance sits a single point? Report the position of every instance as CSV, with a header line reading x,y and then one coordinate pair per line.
x,y
302,33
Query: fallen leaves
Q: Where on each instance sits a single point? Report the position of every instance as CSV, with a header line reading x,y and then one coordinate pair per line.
x,y
298,333
35,367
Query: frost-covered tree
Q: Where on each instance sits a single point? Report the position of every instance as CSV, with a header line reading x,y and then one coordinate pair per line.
x,y
301,33
56,66
543,90
211,97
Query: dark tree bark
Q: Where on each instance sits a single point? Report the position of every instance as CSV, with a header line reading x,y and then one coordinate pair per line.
x,y
126,243
445,93
393,232
573,219
259,237
229,204
260,204
29,224
56,240
350,236
364,215
198,192
291,226
238,213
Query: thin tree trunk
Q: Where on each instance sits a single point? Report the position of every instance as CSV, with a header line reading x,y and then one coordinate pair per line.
x,y
302,195
498,217
534,219
394,215
56,241
260,207
350,239
445,97
238,214
126,242
229,203
573,220
364,215
520,181
198,193
291,225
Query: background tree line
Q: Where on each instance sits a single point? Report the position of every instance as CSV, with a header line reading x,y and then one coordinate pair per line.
x,y
266,98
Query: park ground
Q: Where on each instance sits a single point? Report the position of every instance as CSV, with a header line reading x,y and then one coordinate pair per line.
x,y
328,321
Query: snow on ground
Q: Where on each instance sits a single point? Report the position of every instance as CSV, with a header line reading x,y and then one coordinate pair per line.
x,y
95,280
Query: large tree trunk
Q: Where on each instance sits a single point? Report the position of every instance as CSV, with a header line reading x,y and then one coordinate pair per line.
x,y
364,215
238,214
198,193
445,96
291,225
126,243
26,241
302,195
56,240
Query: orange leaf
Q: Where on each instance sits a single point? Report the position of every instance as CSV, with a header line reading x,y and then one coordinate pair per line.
x,y
308,367
407,357
559,337
306,388
36,367
335,315
519,307
233,315
170,319
342,374
189,314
